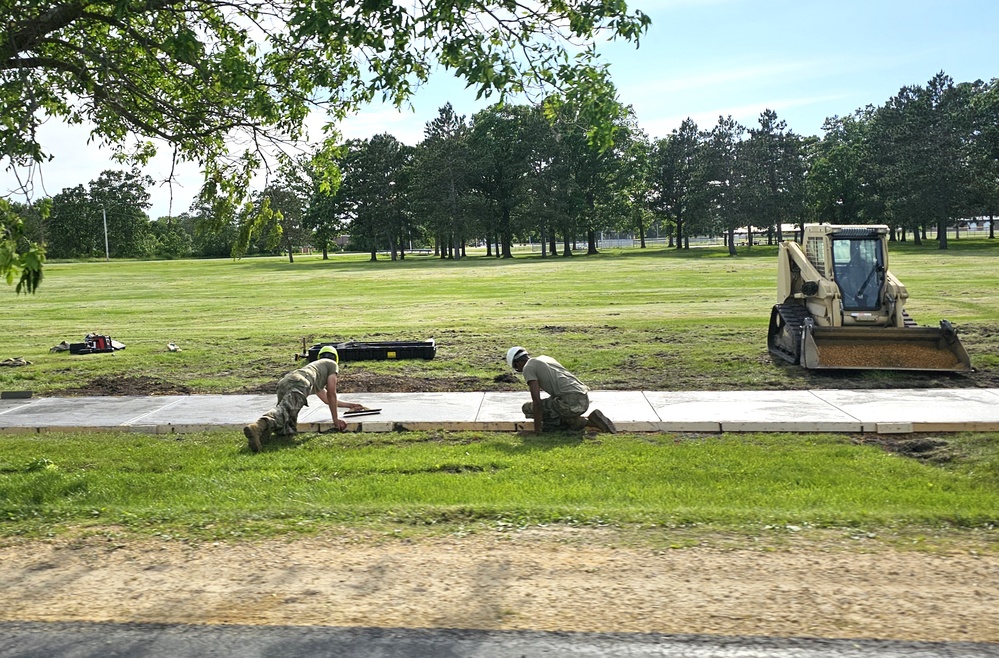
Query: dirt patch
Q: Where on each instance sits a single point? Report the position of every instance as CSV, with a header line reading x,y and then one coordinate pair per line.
x,y
266,388
925,448
555,579
140,385
361,381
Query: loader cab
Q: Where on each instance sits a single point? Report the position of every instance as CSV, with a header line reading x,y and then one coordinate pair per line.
x,y
858,263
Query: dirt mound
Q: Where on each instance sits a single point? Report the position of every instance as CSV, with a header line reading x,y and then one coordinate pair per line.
x,y
128,386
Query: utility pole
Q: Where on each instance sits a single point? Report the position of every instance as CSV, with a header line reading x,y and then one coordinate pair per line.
x,y
107,252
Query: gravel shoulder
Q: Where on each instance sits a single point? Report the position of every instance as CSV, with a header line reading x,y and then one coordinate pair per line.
x,y
538,579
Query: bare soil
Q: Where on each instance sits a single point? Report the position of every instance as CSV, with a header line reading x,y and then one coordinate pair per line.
x,y
563,579
137,385
361,381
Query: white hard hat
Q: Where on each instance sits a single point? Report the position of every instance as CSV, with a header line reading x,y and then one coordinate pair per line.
x,y
513,354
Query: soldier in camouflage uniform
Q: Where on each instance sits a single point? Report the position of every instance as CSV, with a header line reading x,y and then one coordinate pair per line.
x,y
293,390
568,398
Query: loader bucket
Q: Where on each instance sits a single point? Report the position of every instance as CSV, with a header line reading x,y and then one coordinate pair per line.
x,y
884,348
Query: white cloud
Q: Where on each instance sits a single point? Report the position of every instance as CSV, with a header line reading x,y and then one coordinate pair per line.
x,y
405,125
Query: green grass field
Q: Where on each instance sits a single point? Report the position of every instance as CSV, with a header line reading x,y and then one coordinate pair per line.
x,y
210,486
653,320
627,320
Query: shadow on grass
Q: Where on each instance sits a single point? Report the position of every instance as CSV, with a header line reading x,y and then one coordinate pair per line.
x,y
530,442
352,264
356,263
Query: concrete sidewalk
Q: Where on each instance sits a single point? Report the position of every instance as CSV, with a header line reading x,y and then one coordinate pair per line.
x,y
872,411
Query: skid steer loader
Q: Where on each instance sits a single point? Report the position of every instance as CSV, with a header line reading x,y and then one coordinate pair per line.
x,y
839,307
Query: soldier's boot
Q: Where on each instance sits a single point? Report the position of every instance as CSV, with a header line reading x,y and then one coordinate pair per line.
x,y
601,422
257,433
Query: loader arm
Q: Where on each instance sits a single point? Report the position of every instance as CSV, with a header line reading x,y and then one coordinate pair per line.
x,y
795,271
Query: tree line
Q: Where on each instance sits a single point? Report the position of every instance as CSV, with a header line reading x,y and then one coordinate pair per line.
x,y
510,174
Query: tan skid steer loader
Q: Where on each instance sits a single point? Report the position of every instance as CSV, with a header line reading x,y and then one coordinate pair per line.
x,y
839,307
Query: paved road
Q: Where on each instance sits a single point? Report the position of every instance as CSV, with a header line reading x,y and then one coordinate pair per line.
x,y
85,640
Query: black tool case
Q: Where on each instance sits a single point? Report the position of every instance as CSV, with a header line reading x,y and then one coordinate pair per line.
x,y
379,351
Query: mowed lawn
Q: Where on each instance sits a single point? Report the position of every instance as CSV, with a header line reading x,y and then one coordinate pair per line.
x,y
209,485
653,320
626,320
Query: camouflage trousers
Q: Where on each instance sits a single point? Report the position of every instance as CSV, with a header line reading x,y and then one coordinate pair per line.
x,y
561,413
292,394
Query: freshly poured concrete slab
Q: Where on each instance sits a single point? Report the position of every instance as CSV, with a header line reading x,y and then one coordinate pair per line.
x,y
193,413
920,410
630,411
748,411
882,411
413,411
89,413
8,405
501,411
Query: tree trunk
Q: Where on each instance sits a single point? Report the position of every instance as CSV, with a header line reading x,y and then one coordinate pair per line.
x,y
553,244
942,234
505,234
641,231
326,252
544,245
566,249
489,245
591,240
374,254
731,241
992,225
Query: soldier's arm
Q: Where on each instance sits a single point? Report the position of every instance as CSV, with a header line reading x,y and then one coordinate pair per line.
x,y
536,405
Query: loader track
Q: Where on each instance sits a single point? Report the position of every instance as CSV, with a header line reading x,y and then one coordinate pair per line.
x,y
784,337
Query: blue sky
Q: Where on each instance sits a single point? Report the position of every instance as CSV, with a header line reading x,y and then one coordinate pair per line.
x,y
807,60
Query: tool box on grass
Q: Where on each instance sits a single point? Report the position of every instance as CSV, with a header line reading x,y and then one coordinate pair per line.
x,y
95,344
378,351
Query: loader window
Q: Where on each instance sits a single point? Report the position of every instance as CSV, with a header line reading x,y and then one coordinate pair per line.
x,y
858,269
